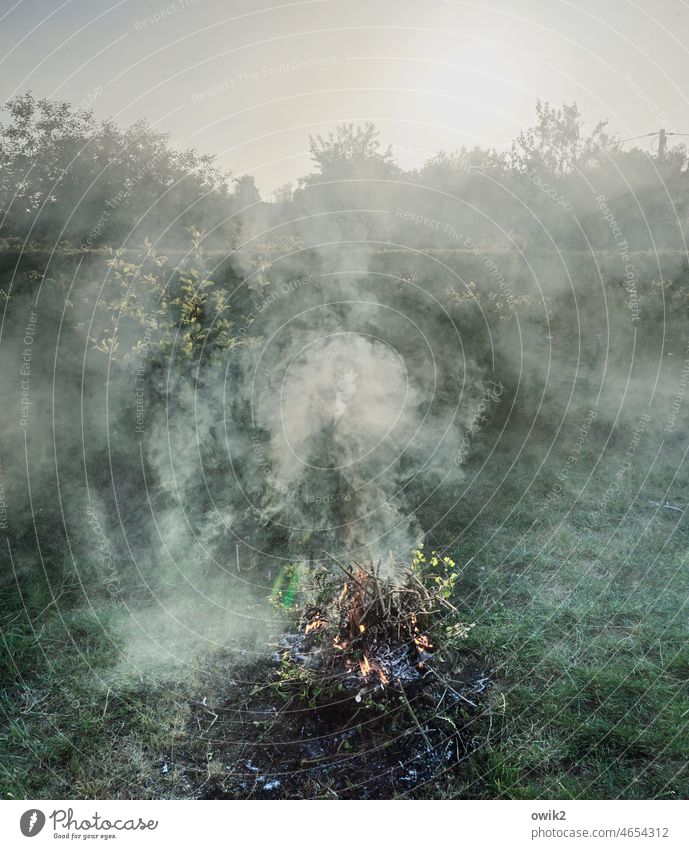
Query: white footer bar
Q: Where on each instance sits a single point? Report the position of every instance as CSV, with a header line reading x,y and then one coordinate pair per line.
x,y
335,824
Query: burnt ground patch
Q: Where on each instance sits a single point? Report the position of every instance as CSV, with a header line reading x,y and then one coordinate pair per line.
x,y
259,738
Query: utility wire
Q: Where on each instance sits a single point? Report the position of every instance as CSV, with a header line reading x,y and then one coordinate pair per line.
x,y
634,138
646,135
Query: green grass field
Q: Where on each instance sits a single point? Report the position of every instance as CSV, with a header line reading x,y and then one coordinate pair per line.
x,y
581,618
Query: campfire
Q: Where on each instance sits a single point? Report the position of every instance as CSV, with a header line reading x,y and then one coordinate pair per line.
x,y
370,693
367,632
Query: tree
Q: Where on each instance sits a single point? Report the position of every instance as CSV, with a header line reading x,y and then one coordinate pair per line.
x,y
63,174
556,145
283,193
446,165
245,193
351,153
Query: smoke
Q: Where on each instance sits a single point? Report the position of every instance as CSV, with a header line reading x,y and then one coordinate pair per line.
x,y
354,414
181,430
340,417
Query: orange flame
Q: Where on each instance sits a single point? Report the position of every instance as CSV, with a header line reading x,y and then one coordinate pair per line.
x,y
367,668
315,625
343,594
423,643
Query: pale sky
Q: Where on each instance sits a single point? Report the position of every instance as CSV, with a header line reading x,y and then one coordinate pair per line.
x,y
248,80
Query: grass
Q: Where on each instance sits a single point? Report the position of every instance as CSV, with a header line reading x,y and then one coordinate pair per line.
x,y
581,617
587,631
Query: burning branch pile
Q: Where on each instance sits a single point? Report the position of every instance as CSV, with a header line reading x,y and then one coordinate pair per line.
x,y
371,693
368,633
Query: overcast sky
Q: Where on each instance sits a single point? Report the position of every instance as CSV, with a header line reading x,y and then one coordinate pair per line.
x,y
248,80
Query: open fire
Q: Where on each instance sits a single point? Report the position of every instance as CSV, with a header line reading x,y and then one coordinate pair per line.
x,y
371,691
372,632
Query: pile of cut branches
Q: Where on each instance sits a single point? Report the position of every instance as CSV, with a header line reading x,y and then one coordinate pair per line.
x,y
370,694
365,632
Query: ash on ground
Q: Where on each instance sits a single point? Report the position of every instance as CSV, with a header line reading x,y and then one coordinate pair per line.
x,y
381,743
366,696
